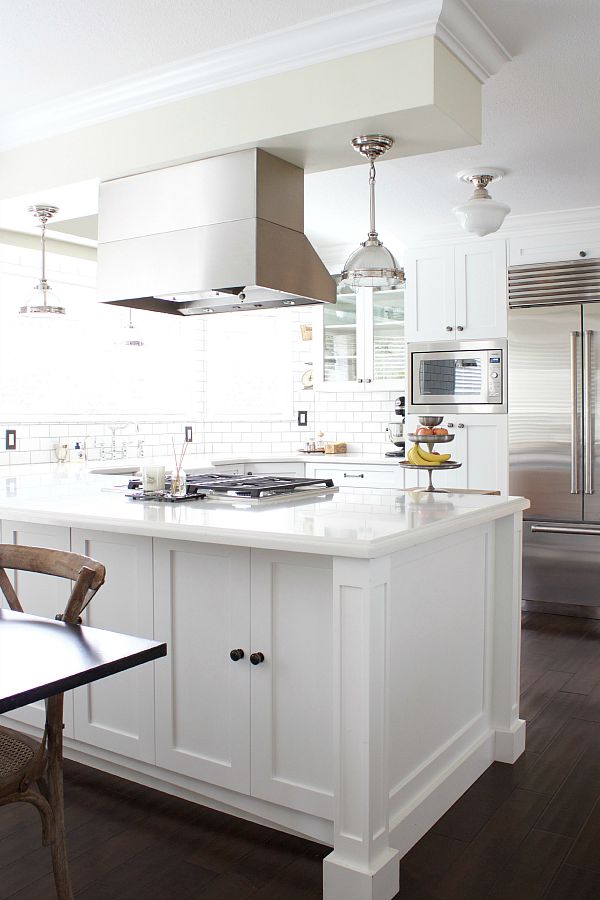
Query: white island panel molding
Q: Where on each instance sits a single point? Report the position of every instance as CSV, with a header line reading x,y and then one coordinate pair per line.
x,y
338,669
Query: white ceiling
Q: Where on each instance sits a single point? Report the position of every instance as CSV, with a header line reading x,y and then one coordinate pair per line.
x,y
541,122
51,48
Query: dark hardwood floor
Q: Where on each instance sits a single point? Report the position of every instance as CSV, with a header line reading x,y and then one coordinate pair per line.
x,y
524,832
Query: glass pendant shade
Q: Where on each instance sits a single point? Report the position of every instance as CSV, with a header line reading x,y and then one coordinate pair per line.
x,y
44,303
481,214
372,264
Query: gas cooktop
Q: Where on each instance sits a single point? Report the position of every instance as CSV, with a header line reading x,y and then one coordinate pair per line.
x,y
256,488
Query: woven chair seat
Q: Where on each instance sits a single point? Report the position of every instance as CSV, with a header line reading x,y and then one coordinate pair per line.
x,y
17,752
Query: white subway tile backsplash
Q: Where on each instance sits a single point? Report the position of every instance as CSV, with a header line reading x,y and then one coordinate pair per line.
x,y
39,431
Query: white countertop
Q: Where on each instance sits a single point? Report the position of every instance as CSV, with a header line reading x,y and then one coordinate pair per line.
x,y
359,523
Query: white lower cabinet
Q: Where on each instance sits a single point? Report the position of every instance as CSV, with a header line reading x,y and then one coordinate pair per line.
x,y
40,595
291,691
481,446
370,476
202,611
229,722
293,469
117,713
233,469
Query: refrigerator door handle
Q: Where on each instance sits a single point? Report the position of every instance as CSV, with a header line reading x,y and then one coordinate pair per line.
x,y
574,416
555,529
587,410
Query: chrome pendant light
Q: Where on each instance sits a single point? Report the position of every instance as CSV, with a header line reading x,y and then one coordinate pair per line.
x,y
372,265
481,214
50,304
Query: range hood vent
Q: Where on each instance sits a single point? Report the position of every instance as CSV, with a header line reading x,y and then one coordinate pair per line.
x,y
216,235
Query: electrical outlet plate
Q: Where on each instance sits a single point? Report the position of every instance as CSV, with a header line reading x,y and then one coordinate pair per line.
x,y
302,417
188,434
10,439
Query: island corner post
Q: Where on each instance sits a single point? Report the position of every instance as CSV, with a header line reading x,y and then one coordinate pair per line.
x,y
376,820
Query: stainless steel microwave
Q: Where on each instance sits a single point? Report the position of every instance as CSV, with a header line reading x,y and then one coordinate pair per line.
x,y
457,377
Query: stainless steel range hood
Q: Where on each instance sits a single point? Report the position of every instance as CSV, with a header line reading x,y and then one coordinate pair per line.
x,y
216,235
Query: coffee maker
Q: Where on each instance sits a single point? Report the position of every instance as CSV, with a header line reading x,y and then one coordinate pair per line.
x,y
395,428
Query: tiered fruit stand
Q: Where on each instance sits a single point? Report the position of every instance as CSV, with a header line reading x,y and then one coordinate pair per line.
x,y
431,440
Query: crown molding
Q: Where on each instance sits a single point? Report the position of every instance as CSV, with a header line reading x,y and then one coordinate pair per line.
x,y
352,31
464,33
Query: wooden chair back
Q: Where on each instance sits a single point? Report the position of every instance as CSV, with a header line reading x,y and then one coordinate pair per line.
x,y
44,768
87,574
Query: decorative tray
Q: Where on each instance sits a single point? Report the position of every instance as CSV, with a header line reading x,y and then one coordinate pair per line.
x,y
163,497
445,465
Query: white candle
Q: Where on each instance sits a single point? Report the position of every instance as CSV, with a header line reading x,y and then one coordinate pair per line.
x,y
153,478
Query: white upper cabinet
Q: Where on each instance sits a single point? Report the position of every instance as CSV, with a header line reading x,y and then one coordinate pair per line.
x,y
359,342
554,247
430,314
456,292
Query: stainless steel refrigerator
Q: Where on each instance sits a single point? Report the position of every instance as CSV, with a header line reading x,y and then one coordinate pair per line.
x,y
554,431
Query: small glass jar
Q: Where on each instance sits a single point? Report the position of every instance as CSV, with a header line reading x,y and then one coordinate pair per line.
x,y
178,483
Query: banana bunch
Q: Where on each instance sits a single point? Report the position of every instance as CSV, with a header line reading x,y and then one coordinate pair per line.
x,y
420,457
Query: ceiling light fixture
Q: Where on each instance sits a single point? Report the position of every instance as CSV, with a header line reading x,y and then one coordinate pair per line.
x,y
42,289
372,265
481,214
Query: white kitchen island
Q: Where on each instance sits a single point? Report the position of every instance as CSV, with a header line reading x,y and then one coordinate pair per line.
x,y
388,624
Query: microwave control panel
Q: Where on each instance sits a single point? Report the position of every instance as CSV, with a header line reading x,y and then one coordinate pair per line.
x,y
495,376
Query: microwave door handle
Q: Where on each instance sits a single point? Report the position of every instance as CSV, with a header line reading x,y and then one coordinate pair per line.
x,y
574,417
587,410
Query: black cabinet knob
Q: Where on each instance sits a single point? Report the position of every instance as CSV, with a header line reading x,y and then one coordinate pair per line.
x,y
257,658
236,655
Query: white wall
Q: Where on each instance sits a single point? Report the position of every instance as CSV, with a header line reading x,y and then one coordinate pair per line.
x,y
70,380
357,418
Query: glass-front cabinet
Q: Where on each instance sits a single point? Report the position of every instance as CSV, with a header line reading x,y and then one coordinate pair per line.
x,y
359,342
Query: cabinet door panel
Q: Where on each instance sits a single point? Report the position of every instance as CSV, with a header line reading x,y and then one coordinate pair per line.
x,y
292,730
430,314
562,245
339,344
40,595
385,344
202,611
480,290
117,713
481,445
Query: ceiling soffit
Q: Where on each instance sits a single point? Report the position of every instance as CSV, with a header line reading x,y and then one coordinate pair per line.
x,y
349,32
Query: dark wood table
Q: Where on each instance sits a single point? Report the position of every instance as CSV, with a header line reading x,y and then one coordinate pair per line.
x,y
42,657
